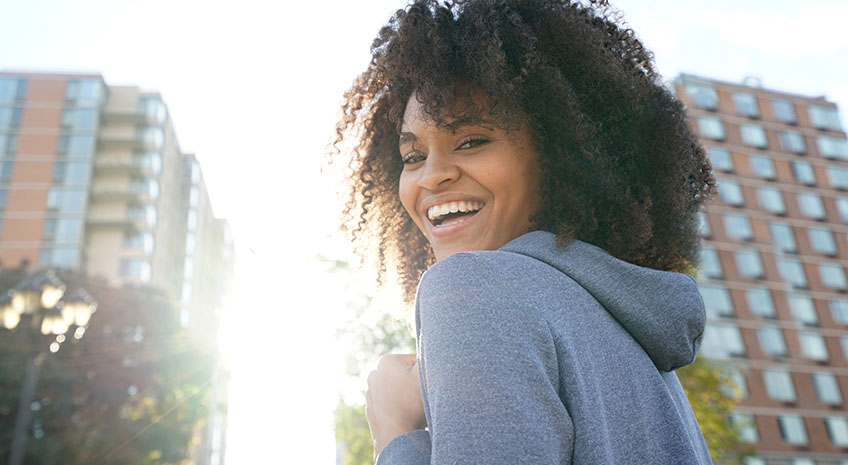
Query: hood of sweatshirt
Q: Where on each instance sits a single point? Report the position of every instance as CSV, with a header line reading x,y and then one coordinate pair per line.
x,y
662,310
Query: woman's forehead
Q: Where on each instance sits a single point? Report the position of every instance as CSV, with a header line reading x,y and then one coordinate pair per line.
x,y
469,110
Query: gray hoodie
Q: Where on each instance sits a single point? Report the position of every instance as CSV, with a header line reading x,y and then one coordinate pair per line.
x,y
536,355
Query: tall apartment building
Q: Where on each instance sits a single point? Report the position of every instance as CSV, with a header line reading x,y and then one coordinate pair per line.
x,y
92,179
775,246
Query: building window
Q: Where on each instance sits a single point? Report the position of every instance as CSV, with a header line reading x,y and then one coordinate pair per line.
x,y
792,429
821,240
803,172
771,340
771,199
80,119
722,341
842,208
825,117
720,158
782,236
8,144
837,430
68,230
66,200
839,310
737,388
59,257
792,271
10,118
136,269
710,263
827,388
746,104
832,147
813,346
85,92
730,192
760,302
711,127
150,160
792,141
744,424
716,301
763,166
4,197
704,224
11,89
837,176
748,263
139,240
153,136
811,205
738,227
803,309
779,385
784,111
6,168
71,173
76,146
832,275
154,109
704,95
753,135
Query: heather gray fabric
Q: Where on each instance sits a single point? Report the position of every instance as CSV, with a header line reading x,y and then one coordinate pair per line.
x,y
533,355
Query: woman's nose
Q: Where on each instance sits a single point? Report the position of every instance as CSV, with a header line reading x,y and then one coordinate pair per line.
x,y
439,170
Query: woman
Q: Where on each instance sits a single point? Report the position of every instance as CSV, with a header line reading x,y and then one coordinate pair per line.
x,y
526,152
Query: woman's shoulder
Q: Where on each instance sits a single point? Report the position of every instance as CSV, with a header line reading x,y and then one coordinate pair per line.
x,y
483,275
483,265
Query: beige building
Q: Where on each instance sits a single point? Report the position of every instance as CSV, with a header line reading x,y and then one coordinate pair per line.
x,y
775,246
92,179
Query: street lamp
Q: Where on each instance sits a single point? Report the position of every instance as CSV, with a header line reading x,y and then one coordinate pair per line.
x,y
36,306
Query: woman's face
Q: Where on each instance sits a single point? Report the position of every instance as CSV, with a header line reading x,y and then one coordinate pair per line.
x,y
471,186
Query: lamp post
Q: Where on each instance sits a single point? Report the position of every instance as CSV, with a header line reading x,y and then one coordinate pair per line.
x,y
35,305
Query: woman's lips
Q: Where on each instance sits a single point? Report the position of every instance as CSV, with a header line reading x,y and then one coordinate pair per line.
x,y
453,225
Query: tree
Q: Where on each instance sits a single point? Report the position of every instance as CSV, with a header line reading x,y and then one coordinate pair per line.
x,y
133,390
712,395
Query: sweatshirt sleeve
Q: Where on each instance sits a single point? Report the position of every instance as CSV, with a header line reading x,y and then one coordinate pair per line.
x,y
488,368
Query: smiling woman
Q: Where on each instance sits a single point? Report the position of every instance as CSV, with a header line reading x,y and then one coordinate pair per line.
x,y
527,156
469,185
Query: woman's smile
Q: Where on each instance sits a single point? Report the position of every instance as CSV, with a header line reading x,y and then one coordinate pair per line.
x,y
467,185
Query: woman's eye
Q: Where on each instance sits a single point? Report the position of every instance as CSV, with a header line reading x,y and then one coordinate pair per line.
x,y
473,143
412,157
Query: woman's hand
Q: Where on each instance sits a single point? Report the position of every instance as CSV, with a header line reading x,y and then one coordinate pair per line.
x,y
393,403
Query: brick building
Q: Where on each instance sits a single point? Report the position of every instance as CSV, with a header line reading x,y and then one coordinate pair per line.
x,y
775,243
92,179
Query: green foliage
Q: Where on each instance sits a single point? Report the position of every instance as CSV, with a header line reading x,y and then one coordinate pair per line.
x,y
352,435
134,390
712,395
367,334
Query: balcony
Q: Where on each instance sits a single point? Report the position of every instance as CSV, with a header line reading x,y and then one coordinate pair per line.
x,y
134,166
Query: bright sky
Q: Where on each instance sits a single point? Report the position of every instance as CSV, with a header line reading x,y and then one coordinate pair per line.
x,y
253,89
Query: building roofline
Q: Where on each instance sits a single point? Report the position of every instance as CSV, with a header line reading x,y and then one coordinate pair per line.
x,y
51,74
820,98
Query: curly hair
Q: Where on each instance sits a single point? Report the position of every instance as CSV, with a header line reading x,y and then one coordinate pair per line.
x,y
621,168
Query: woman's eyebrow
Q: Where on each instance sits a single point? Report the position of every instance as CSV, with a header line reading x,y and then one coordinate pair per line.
x,y
406,137
467,121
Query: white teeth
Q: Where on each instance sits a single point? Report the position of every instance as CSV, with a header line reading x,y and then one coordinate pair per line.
x,y
437,211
